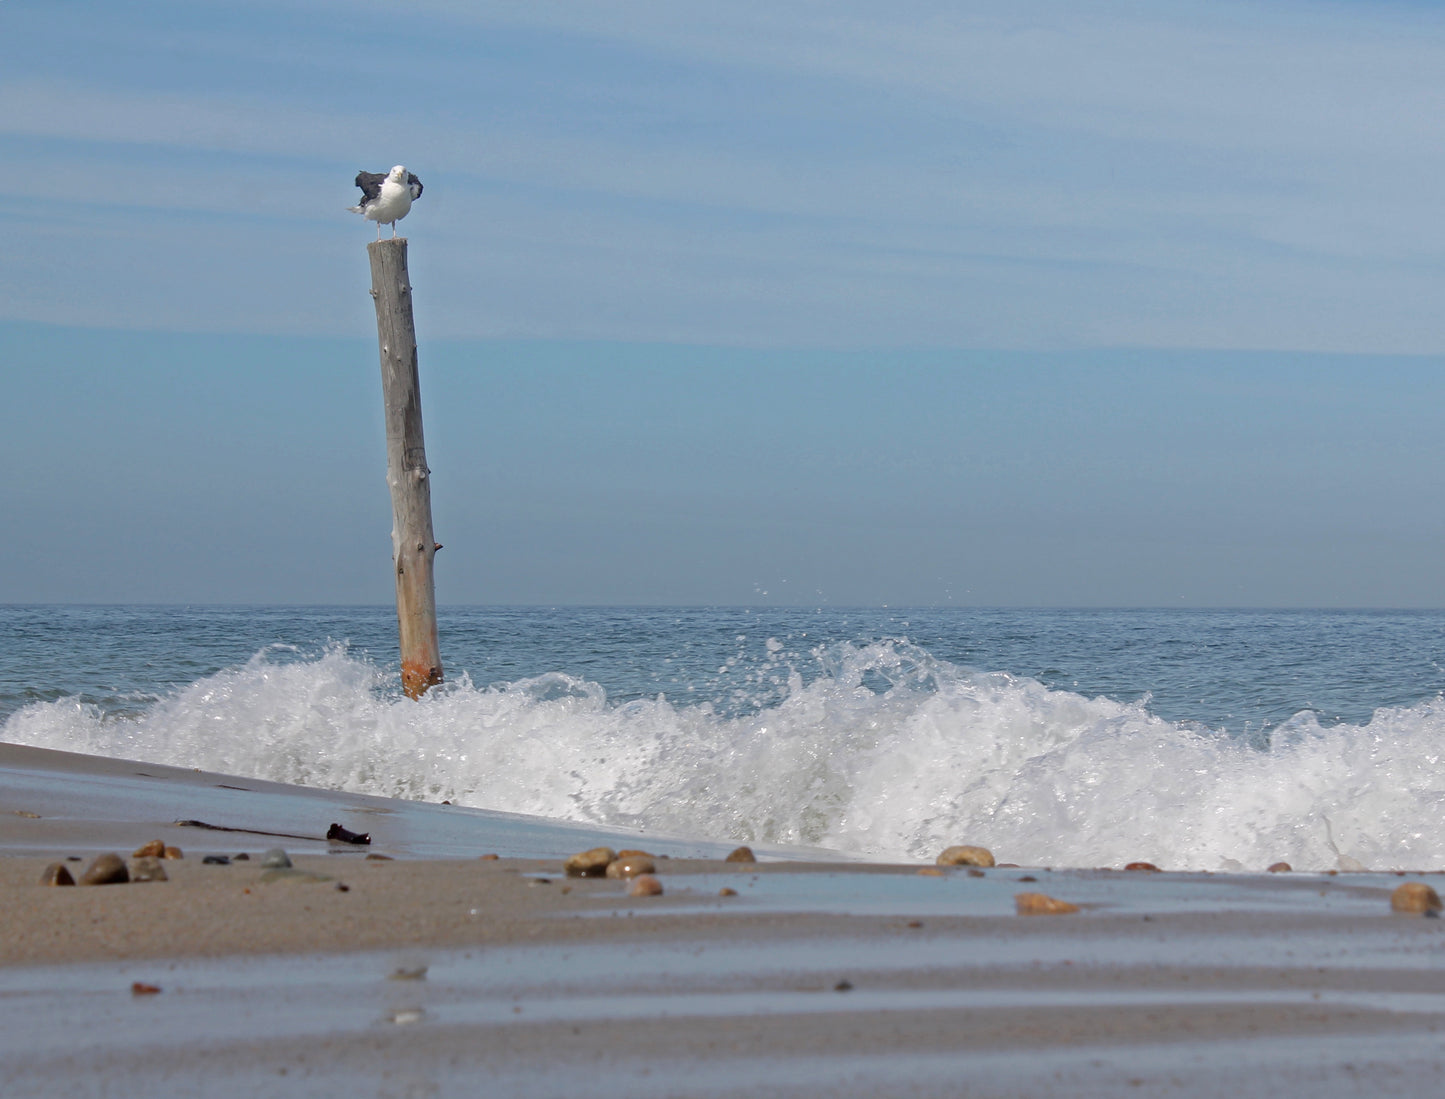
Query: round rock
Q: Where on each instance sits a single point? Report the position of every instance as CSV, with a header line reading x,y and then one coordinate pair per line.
x,y
589,864
153,850
645,885
965,855
1041,904
1415,897
107,869
630,866
741,854
275,859
147,868
56,874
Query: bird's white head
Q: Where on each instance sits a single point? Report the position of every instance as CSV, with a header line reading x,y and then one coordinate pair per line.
x,y
397,174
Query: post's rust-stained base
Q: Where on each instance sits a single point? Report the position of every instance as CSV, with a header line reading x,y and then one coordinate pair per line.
x,y
416,678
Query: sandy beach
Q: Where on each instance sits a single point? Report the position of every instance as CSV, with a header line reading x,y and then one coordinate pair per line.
x,y
415,966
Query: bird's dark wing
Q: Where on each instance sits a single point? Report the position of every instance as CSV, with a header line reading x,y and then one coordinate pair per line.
x,y
414,184
370,183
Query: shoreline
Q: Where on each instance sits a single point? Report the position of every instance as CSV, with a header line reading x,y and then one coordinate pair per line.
x,y
434,971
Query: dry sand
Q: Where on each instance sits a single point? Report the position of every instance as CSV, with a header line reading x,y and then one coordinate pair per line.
x,y
437,972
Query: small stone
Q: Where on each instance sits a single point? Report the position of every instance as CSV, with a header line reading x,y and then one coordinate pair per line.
x,y
173,853
741,854
408,973
372,856
489,857
645,885
108,869
727,891
275,859
140,988
930,872
1148,866
342,887
27,814
152,850
966,856
1279,868
216,860
56,874
629,852
975,872
147,868
1041,904
1415,896
241,857
589,864
630,866
844,985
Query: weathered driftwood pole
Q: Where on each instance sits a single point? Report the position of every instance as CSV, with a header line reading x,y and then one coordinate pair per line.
x,y
412,546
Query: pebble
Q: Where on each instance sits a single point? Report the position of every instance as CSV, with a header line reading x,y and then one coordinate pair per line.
x,y
630,866
1041,904
108,869
217,860
1415,896
1142,866
173,853
141,988
966,856
589,864
152,850
727,891
930,872
147,868
645,885
629,852
56,874
1279,868
275,859
741,854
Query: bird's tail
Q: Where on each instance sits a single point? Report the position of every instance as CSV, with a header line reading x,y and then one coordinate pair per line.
x,y
355,210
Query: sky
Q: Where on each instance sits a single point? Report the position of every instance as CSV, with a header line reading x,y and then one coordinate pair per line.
x,y
797,303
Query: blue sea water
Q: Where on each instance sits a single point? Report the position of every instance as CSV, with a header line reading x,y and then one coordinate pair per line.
x,y
1199,739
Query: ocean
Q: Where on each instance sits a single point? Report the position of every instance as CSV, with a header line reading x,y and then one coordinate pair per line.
x,y
1208,740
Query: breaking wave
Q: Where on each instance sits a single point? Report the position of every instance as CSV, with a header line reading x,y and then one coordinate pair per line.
x,y
889,754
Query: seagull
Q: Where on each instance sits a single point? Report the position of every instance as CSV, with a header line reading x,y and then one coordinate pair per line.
x,y
386,196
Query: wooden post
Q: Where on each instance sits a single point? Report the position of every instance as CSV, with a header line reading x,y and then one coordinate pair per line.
x,y
412,546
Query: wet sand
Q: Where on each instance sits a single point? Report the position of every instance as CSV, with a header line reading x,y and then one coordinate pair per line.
x,y
438,972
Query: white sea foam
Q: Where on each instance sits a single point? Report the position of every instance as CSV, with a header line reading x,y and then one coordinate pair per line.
x,y
889,754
